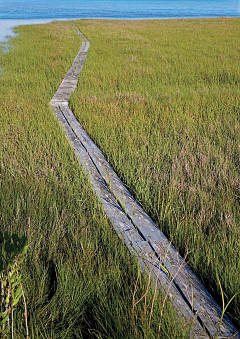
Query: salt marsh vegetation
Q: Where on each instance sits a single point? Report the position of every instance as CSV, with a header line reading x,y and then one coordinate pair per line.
x,y
161,100
78,279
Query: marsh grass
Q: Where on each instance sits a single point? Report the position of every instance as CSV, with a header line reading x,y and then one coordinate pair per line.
x,y
161,99
78,278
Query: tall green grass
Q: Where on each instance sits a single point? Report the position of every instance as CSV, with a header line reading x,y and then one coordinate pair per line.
x,y
161,99
79,279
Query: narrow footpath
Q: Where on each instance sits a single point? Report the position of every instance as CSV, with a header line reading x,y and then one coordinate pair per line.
x,y
143,238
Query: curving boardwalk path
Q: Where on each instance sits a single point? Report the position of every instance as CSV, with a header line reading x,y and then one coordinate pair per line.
x,y
145,241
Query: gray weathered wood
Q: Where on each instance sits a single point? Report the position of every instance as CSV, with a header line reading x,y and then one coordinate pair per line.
x,y
198,297
133,225
128,233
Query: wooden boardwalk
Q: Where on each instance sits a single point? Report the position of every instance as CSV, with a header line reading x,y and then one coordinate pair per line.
x,y
155,253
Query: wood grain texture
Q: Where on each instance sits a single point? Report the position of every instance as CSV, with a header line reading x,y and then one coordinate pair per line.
x,y
155,253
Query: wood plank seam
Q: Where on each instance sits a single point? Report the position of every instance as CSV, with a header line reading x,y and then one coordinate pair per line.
x,y
136,244
193,295
156,232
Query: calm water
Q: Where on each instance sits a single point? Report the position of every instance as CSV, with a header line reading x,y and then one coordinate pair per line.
x,y
117,9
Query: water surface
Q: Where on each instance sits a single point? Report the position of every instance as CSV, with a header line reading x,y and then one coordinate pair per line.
x,y
118,9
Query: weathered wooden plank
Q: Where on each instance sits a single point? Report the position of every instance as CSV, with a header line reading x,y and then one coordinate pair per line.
x,y
69,82
141,235
198,297
127,232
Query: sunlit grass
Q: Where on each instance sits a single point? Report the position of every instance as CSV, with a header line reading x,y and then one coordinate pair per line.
x,y
79,279
161,99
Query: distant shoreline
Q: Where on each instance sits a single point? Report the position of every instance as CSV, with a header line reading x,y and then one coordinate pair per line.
x,y
7,25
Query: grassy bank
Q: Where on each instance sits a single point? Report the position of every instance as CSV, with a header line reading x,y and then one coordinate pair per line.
x,y
161,99
79,280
